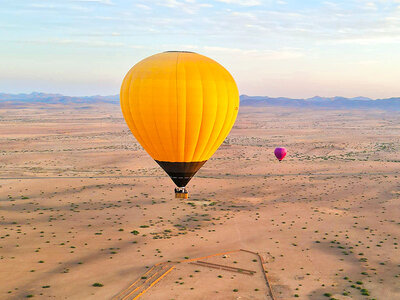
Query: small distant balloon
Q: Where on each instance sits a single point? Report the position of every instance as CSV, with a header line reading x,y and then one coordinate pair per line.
x,y
280,153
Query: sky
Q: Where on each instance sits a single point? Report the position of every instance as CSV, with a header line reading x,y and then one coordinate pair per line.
x,y
288,48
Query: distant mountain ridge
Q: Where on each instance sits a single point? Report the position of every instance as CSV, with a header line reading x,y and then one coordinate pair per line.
x,y
36,97
245,100
324,102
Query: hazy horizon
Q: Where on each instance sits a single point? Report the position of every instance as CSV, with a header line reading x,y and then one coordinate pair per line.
x,y
248,95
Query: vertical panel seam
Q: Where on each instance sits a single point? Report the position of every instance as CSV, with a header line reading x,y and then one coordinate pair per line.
x,y
224,122
155,125
229,127
176,156
141,140
140,113
186,96
202,110
215,119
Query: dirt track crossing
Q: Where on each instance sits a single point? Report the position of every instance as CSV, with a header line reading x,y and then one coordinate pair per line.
x,y
159,271
145,282
222,267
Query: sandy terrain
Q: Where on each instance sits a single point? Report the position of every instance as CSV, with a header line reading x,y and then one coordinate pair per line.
x,y
82,203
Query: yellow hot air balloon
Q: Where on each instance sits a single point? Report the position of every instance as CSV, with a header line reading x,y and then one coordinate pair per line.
x,y
180,106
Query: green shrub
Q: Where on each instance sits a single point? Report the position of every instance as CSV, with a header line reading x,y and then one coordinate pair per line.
x,y
97,284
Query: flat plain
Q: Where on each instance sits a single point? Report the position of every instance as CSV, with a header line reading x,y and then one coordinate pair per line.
x,y
84,211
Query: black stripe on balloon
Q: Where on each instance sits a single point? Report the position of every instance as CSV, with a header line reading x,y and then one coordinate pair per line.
x,y
181,172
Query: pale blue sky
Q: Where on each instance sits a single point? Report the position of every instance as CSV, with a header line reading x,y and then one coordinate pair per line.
x,y
271,47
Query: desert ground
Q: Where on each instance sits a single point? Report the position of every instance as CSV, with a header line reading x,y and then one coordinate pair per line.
x,y
84,211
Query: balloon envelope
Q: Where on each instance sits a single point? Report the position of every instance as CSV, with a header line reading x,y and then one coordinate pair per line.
x,y
280,153
180,106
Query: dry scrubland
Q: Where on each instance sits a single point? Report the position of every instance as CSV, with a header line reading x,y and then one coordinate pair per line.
x,y
82,203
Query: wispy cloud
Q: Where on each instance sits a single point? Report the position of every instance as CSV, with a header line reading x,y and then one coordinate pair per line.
x,y
72,42
143,6
105,2
242,2
56,6
281,54
188,6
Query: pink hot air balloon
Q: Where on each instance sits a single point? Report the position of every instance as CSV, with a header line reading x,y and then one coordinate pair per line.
x,y
280,153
